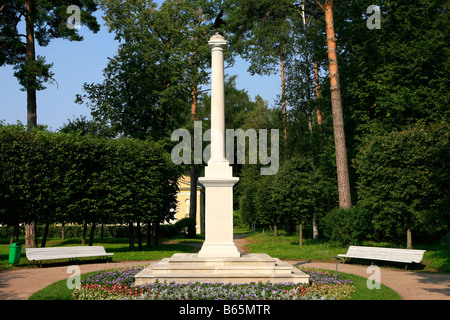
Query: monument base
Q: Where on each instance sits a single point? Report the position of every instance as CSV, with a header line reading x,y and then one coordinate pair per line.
x,y
253,267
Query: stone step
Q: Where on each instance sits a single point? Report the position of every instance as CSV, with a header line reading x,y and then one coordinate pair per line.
x,y
184,268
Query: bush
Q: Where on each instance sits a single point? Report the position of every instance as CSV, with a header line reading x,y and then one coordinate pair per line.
x,y
185,226
168,230
55,177
348,226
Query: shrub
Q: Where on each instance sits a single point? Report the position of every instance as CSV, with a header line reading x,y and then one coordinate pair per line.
x,y
185,226
167,230
347,226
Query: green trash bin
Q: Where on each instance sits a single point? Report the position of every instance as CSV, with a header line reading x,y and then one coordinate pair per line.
x,y
14,252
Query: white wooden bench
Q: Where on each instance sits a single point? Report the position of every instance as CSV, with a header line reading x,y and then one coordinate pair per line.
x,y
56,253
383,254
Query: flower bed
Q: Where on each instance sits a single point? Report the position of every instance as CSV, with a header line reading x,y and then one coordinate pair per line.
x,y
118,284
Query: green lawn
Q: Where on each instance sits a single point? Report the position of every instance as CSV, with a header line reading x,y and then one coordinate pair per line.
x,y
286,247
436,258
118,246
283,247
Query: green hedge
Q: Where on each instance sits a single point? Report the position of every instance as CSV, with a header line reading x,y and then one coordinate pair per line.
x,y
53,177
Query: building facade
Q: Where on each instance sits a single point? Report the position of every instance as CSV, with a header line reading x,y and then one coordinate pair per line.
x,y
184,200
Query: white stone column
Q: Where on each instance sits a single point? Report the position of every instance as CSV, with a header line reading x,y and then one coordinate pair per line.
x,y
218,180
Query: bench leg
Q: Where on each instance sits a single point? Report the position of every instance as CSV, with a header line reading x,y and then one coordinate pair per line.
x,y
338,258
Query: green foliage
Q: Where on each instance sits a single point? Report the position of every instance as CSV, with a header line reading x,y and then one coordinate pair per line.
x,y
395,76
58,177
33,73
261,32
82,126
184,226
48,21
348,226
403,181
296,191
151,84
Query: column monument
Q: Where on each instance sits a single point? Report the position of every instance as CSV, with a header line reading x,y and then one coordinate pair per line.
x,y
219,259
218,180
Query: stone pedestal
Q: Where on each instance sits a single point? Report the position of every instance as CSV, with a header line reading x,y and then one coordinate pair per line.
x,y
218,218
185,268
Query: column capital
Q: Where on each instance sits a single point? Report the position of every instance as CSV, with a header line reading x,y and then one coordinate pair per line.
x,y
217,40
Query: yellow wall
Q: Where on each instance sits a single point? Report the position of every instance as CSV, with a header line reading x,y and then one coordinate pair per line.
x,y
183,198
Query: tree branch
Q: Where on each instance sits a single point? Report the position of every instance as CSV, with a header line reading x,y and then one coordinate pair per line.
x,y
320,5
311,13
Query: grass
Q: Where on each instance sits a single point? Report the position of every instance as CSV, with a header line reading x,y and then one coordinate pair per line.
x,y
284,247
287,247
362,292
118,246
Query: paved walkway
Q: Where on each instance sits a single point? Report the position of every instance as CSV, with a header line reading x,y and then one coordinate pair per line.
x,y
22,283
411,285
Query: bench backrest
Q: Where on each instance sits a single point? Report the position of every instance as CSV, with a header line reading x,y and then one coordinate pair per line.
x,y
59,252
392,254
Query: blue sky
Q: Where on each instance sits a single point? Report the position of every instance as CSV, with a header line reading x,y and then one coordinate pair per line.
x,y
75,63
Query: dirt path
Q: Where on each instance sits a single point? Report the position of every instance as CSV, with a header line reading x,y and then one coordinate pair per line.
x,y
22,283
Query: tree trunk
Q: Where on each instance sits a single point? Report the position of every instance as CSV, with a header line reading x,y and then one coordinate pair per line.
x,y
45,235
63,231
149,234
409,239
317,89
300,231
30,55
15,234
194,101
336,105
139,235
283,94
83,236
193,201
92,234
156,233
275,231
194,175
30,235
131,236
30,227
315,227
